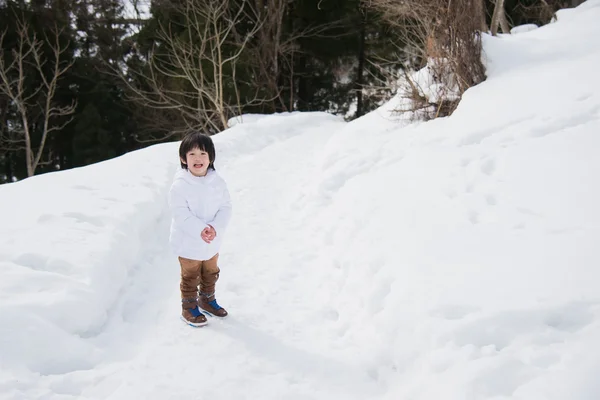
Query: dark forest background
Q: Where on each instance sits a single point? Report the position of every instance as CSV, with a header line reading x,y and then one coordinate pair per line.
x,y
87,80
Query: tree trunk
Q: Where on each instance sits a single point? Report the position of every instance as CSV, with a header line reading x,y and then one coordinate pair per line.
x,y
504,22
28,150
482,15
499,18
361,67
303,95
8,169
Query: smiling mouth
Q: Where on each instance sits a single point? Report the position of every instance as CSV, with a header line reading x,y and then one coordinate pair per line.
x,y
198,165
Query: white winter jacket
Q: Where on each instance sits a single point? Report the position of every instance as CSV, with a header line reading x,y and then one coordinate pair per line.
x,y
196,202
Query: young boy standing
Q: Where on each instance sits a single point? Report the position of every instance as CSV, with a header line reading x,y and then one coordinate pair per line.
x,y
201,209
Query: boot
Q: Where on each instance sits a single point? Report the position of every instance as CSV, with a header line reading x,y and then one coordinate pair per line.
x,y
210,305
190,314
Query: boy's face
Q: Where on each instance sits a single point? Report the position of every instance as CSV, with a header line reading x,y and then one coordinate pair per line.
x,y
197,161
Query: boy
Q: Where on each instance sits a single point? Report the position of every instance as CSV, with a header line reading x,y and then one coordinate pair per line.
x,y
201,208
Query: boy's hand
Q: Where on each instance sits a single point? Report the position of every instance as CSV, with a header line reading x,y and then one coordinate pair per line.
x,y
208,234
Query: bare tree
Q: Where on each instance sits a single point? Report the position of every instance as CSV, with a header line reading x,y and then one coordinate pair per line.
x,y
499,19
443,35
274,48
481,10
270,48
192,68
18,69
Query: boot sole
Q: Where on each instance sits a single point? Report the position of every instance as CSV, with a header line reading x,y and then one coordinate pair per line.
x,y
211,314
193,324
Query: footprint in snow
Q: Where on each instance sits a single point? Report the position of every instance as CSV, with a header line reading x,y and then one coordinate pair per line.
x,y
453,311
82,187
490,199
488,166
584,97
527,211
538,326
97,222
46,218
473,217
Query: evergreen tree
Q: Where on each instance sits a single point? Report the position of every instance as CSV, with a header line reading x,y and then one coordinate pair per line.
x,y
103,127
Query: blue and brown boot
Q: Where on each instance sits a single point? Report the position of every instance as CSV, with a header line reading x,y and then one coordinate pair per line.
x,y
209,304
190,313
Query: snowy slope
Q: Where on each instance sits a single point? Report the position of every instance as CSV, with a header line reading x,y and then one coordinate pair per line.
x,y
454,259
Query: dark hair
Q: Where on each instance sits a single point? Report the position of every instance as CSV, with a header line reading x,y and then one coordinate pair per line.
x,y
197,140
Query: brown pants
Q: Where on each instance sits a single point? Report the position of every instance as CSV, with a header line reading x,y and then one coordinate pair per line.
x,y
196,273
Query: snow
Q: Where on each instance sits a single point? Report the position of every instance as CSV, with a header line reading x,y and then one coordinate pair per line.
x,y
376,259
523,28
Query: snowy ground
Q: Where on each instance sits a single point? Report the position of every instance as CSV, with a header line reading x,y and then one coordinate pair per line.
x,y
455,259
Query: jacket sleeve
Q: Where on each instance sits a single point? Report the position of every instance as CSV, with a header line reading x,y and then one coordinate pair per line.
x,y
182,216
223,215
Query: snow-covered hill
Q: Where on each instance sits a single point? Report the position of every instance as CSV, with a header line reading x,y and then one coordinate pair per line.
x,y
455,259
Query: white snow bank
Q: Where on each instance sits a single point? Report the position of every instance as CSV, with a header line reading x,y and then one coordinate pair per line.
x,y
462,253
68,244
73,238
523,28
